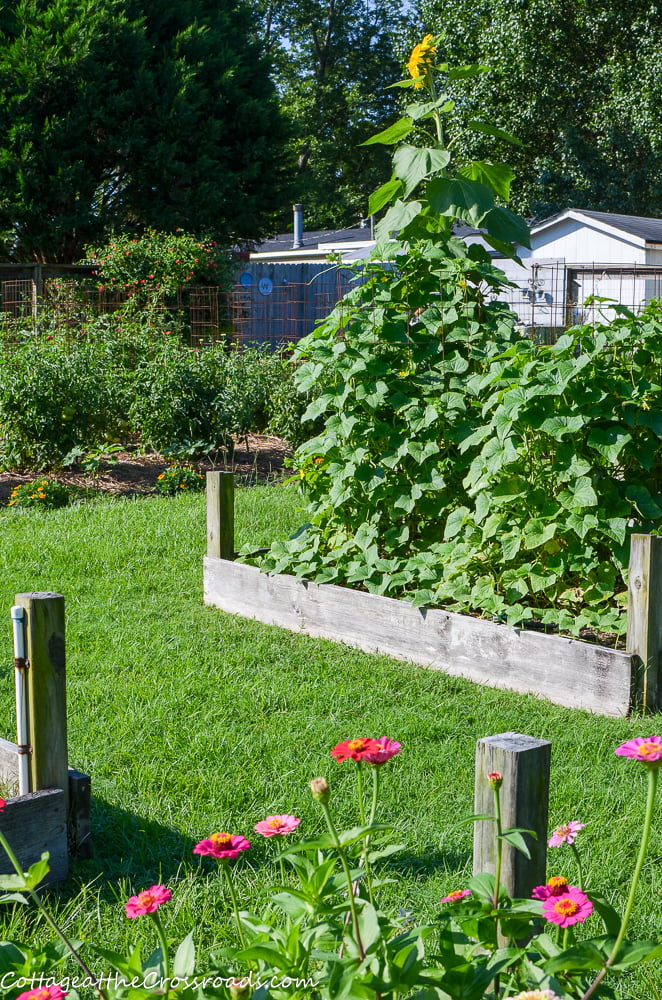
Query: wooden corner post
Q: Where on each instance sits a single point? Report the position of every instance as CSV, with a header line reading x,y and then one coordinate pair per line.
x,y
220,515
47,696
524,763
644,635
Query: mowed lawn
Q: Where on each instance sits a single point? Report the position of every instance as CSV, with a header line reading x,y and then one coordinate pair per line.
x,y
190,721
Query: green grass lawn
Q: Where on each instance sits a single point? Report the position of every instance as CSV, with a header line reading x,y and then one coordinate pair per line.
x,y
190,720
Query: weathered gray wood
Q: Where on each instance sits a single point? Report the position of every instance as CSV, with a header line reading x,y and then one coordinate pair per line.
x,y
523,762
9,765
220,515
33,824
47,698
644,634
79,817
565,671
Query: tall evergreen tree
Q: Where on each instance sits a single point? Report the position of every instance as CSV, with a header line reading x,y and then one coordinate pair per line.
x,y
129,114
578,83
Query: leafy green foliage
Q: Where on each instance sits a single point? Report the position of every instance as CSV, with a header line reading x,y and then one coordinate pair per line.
x,y
459,465
121,117
577,83
177,478
161,261
333,60
42,492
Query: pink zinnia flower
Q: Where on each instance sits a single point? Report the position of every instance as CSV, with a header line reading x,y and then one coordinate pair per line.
x,y
222,845
43,993
565,834
389,749
536,995
571,907
356,749
147,901
555,886
647,749
456,896
495,779
274,826
2,805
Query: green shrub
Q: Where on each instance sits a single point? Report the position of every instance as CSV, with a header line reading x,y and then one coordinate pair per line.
x,y
179,478
161,261
53,398
44,493
182,397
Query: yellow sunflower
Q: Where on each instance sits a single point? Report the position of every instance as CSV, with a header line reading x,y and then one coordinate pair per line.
x,y
421,59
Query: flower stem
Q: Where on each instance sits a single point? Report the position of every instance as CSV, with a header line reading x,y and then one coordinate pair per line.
x,y
643,848
348,875
49,920
366,842
579,866
163,941
235,905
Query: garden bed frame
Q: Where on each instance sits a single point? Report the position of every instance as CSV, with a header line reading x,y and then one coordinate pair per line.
x,y
55,815
566,671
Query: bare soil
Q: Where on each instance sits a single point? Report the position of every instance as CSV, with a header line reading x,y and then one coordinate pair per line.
x,y
256,459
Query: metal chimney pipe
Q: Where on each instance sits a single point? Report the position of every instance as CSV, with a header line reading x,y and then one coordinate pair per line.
x,y
298,226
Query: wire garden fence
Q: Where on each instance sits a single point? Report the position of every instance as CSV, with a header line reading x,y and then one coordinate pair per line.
x,y
546,297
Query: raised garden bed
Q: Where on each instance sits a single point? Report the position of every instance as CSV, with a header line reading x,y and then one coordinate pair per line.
x,y
566,671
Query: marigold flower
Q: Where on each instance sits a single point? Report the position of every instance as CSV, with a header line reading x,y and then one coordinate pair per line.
x,y
147,901
222,845
647,749
555,886
274,826
389,749
356,749
43,993
571,907
421,59
456,896
565,834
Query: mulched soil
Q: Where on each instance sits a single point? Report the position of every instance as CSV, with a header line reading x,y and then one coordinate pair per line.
x,y
256,459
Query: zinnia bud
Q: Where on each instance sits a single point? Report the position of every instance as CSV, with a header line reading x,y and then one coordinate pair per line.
x,y
320,789
495,779
240,989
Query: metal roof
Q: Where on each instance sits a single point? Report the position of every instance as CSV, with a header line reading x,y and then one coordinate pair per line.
x,y
313,239
646,229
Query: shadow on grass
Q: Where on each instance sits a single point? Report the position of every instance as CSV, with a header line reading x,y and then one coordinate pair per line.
x,y
129,848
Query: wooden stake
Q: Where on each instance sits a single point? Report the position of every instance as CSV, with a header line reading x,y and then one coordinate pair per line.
x,y
523,763
644,635
47,701
220,515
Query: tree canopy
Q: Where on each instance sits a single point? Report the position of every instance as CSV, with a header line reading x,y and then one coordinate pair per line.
x,y
133,114
578,83
334,60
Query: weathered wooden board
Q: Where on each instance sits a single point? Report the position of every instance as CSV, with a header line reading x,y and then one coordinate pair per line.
x,y
565,671
33,824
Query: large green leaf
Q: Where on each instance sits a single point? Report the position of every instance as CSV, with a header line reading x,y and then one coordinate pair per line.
x,y
496,176
460,198
394,133
498,133
384,194
504,225
413,164
397,217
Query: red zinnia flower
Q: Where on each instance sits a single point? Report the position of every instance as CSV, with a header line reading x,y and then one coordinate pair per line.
x,y
356,749
456,896
555,886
